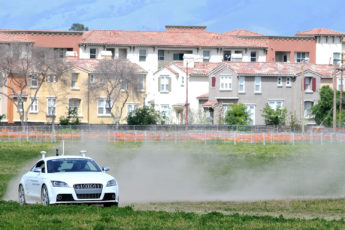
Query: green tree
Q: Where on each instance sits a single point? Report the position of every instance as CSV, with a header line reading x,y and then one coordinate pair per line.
x,y
143,116
78,27
274,116
237,115
323,110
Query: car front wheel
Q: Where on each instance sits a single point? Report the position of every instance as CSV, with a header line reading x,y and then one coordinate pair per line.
x,y
21,195
44,196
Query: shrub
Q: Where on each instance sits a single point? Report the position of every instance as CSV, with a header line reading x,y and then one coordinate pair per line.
x,y
237,115
274,116
143,116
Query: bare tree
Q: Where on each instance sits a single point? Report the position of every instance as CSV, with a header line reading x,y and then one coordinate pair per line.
x,y
117,80
24,70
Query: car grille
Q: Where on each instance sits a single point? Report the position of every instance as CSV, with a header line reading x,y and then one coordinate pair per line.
x,y
88,191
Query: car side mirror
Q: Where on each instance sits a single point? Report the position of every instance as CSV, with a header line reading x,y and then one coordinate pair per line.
x,y
37,170
105,168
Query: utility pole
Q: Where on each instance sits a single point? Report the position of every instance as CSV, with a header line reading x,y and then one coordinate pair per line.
x,y
341,89
302,98
186,95
335,100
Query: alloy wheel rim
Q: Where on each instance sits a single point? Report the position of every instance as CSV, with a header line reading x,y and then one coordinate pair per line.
x,y
21,195
45,199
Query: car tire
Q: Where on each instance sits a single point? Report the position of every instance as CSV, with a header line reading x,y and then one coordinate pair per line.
x,y
44,196
21,195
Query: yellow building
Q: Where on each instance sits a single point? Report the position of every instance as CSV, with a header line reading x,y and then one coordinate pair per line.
x,y
75,90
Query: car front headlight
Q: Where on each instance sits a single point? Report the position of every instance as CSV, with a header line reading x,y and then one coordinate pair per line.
x,y
111,183
57,183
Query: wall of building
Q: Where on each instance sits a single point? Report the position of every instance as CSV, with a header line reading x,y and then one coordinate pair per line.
x,y
325,47
291,45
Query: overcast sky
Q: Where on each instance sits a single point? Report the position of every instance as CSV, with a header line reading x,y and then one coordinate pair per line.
x,y
270,17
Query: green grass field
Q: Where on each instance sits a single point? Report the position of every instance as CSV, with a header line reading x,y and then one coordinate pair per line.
x,y
221,158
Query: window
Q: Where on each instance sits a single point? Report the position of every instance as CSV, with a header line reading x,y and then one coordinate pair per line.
x,y
227,56
307,109
92,78
251,111
142,55
339,83
336,59
34,81
288,82
141,83
103,107
34,105
182,80
308,84
241,85
253,56
74,80
20,105
51,78
225,83
161,55
206,56
164,83
226,107
93,53
51,106
279,81
301,56
74,105
131,107
124,85
257,85
178,56
165,111
274,104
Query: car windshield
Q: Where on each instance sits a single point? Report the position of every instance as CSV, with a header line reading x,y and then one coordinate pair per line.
x,y
72,165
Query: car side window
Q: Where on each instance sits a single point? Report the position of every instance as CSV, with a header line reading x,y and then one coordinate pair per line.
x,y
40,165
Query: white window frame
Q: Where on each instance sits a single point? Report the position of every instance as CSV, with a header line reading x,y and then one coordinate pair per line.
x,y
160,56
106,109
225,82
165,109
280,81
288,82
182,80
70,106
124,85
242,83
93,55
301,56
205,57
337,61
74,80
164,84
131,107
273,104
92,78
308,84
339,83
34,81
253,58
33,105
48,106
307,112
142,56
257,83
251,115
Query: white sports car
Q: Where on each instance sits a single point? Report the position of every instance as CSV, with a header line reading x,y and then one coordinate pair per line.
x,y
68,179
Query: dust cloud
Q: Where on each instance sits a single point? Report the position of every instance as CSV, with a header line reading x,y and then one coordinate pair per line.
x,y
159,172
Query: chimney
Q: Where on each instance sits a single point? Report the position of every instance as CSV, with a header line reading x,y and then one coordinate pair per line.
x,y
185,28
106,54
190,59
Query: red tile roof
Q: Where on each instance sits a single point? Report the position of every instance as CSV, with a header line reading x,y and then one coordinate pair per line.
x,y
171,38
210,103
242,32
200,68
90,65
13,38
320,31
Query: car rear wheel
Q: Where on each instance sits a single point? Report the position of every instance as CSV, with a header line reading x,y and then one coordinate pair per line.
x,y
44,196
21,195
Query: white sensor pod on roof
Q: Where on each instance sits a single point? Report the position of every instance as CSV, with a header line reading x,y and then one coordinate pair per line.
x,y
83,152
43,153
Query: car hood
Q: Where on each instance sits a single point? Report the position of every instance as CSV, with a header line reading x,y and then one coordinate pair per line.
x,y
72,178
